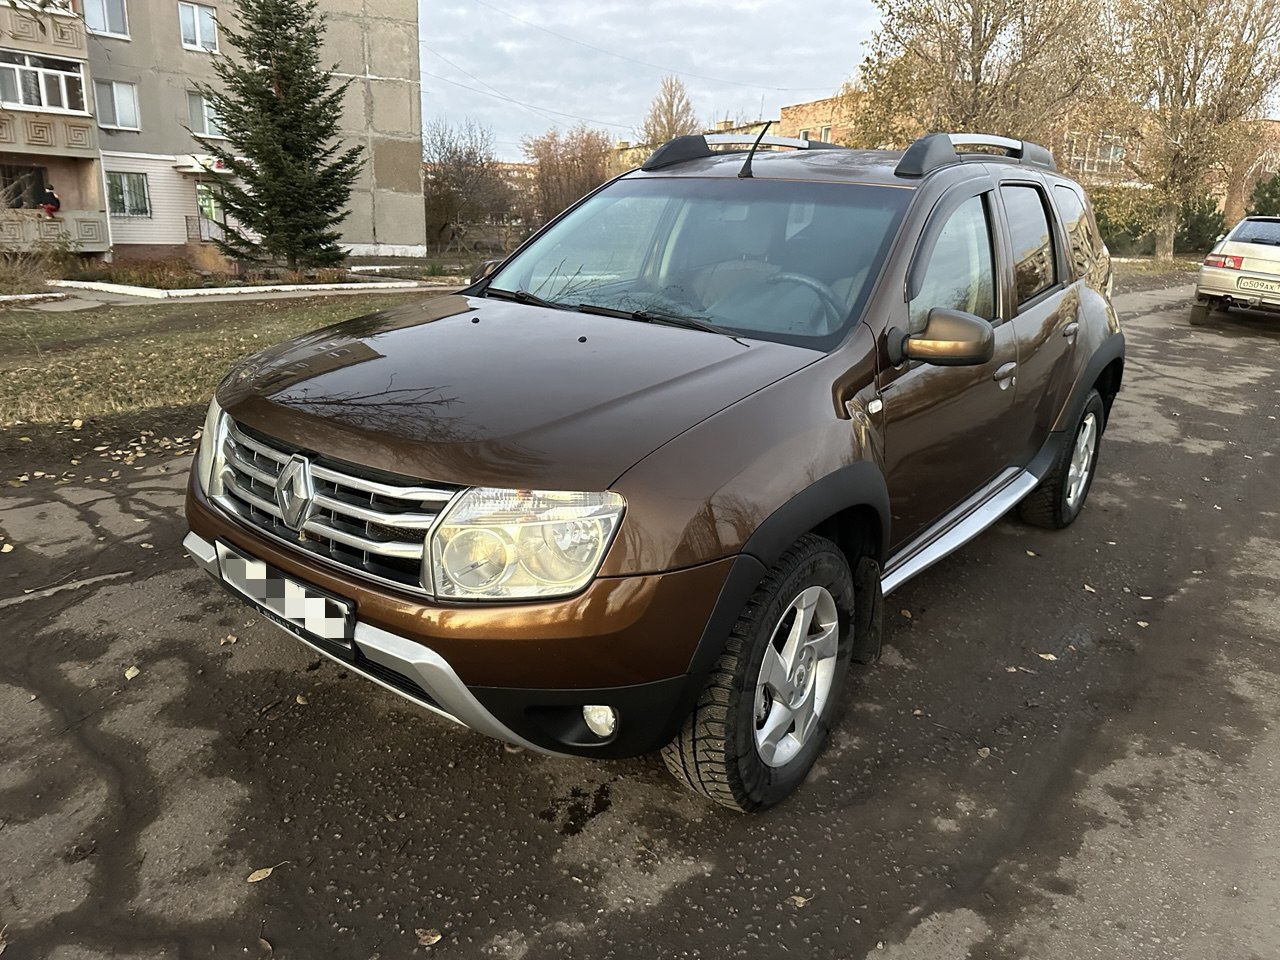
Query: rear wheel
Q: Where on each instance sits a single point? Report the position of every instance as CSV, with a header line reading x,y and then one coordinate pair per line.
x,y
1061,495
770,701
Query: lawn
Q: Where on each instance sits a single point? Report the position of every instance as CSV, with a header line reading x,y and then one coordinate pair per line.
x,y
58,367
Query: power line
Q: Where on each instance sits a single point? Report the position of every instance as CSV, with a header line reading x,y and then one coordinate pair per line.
x,y
521,103
646,63
534,110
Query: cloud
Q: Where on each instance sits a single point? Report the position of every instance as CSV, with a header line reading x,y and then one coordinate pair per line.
x,y
738,58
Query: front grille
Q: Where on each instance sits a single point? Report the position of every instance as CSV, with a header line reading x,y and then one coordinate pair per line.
x,y
375,526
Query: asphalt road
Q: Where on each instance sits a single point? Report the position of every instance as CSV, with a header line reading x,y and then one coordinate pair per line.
x,y
1070,749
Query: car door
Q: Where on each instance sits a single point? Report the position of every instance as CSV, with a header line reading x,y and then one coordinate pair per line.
x,y
1046,311
945,433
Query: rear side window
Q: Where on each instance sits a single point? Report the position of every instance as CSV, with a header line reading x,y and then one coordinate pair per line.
x,y
1035,267
1256,231
959,275
1076,221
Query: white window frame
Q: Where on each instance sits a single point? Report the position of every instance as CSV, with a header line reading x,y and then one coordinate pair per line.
x,y
125,194
116,86
825,134
207,114
43,75
196,9
87,5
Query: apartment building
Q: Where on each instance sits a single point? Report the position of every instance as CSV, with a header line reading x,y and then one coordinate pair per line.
x,y
47,132
120,79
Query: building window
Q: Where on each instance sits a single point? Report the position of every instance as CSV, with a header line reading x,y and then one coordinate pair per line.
x,y
204,120
107,17
826,135
117,104
127,195
45,83
804,134
21,186
199,26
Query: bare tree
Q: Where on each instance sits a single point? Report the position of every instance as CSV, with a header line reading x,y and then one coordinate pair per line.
x,y
567,166
461,179
670,114
994,66
1190,79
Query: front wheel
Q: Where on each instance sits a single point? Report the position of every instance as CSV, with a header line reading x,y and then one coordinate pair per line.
x,y
771,698
1061,495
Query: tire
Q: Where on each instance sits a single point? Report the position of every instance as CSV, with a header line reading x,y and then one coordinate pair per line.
x,y
718,752
1062,493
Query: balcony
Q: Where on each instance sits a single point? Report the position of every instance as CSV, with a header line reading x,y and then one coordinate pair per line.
x,y
81,231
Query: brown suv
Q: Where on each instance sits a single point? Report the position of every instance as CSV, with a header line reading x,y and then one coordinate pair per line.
x,y
644,485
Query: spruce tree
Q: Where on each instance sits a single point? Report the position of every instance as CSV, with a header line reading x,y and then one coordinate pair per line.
x,y
279,111
1266,197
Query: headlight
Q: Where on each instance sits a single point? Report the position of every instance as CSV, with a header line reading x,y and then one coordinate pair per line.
x,y
511,544
209,459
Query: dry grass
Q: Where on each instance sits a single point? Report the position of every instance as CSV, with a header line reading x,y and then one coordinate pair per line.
x,y
58,366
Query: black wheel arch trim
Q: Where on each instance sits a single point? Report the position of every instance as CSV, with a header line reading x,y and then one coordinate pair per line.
x,y
1110,350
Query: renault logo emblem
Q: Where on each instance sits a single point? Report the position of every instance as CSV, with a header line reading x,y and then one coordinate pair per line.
x,y
296,492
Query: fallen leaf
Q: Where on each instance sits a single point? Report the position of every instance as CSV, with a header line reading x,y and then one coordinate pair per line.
x,y
1143,623
132,672
1046,656
1089,589
77,423
263,873
301,698
906,613
984,752
428,937
1010,669
798,901
1032,553
7,548
229,638
1141,597
917,712
146,546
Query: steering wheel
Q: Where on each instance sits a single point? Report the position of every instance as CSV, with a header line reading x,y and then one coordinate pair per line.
x,y
834,308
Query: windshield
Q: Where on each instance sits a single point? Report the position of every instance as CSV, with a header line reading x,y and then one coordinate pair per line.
x,y
776,260
1256,231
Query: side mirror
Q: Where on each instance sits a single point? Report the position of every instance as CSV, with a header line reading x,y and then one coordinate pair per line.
x,y
950,338
486,267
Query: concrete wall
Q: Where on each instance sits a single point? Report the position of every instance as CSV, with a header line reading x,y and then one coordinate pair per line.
x,y
375,44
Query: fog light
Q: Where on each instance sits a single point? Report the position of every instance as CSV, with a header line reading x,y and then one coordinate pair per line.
x,y
600,720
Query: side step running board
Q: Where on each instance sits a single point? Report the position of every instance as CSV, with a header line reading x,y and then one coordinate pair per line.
x,y
959,526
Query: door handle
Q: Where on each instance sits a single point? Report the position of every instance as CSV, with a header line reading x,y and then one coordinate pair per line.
x,y
1070,330
1005,375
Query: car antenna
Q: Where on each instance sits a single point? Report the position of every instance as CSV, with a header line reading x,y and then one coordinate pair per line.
x,y
745,172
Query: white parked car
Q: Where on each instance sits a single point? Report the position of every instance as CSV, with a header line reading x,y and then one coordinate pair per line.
x,y
1243,270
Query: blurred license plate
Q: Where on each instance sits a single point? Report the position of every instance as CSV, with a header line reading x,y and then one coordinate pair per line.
x,y
298,608
1253,283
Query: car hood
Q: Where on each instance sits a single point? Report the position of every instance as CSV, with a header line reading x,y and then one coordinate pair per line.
x,y
487,392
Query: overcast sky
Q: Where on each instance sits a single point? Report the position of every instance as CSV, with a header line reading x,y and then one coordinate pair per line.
x,y
739,58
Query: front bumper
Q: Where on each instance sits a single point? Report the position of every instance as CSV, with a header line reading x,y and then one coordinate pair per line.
x,y
520,673
1221,284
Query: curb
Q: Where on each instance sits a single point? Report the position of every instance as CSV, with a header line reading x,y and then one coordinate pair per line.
x,y
30,297
154,294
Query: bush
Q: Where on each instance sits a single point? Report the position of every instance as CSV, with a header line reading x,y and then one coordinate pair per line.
x,y
1199,226
1125,216
26,271
1266,197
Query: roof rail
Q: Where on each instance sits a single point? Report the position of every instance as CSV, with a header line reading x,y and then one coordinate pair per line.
x,y
697,146
935,150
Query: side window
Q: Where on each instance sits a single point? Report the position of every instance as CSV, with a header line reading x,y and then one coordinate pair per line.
x,y
1034,265
1076,221
960,275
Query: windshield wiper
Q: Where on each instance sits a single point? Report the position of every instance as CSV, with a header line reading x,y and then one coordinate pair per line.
x,y
652,316
524,296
